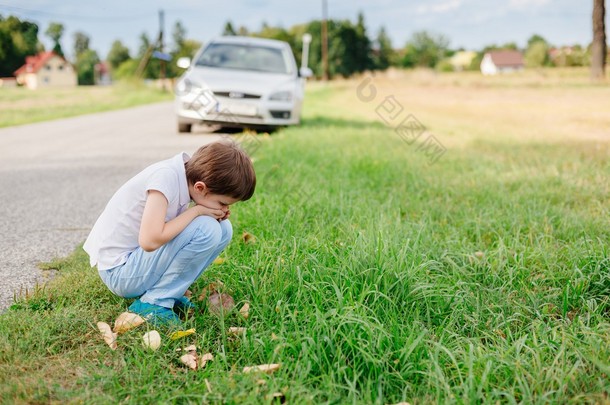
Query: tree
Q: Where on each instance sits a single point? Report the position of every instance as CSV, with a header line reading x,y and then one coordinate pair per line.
x,y
425,50
384,53
18,39
118,54
537,54
81,43
55,31
598,47
228,29
178,35
85,67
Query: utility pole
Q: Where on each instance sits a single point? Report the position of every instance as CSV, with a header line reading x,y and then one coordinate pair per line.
x,y
162,70
324,40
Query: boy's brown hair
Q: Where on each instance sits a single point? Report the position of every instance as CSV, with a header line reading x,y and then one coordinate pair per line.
x,y
225,168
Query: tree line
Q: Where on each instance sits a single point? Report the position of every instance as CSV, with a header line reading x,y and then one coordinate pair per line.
x,y
351,49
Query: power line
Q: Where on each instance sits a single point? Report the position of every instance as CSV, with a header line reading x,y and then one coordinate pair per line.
x,y
131,17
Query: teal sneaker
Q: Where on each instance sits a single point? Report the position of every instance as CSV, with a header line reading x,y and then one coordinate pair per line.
x,y
184,305
155,314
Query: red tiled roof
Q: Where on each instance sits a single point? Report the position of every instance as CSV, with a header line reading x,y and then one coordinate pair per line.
x,y
34,63
506,58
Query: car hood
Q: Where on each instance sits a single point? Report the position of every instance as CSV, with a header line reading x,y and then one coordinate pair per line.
x,y
238,80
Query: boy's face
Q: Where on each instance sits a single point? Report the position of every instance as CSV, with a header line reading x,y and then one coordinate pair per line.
x,y
202,196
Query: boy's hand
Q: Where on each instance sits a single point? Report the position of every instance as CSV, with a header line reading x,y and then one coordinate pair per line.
x,y
215,213
227,215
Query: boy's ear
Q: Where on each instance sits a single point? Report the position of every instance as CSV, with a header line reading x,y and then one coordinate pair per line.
x,y
200,187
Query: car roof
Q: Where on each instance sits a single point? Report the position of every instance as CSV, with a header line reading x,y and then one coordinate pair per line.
x,y
232,39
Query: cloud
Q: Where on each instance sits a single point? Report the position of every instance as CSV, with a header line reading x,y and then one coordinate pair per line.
x,y
440,7
526,4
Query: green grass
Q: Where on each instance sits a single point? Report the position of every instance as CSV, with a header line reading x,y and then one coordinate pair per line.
x,y
376,277
23,106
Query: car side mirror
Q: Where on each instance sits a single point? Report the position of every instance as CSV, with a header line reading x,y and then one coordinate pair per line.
x,y
305,72
183,62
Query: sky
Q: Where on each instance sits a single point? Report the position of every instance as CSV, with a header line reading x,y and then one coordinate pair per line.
x,y
469,24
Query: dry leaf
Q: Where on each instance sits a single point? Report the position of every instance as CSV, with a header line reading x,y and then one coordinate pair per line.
x,y
273,336
210,289
109,336
265,368
219,303
207,357
278,395
245,310
181,333
126,321
191,348
235,330
479,255
188,294
152,339
248,237
219,260
189,360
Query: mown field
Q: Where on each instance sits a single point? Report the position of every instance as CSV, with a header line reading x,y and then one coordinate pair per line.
x,y
422,238
23,106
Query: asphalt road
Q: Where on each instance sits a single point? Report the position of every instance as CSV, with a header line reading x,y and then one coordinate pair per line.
x,y
56,177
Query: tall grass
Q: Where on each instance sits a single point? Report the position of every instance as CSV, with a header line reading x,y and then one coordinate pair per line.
x,y
375,277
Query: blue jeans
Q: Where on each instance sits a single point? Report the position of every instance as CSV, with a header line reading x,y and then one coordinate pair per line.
x,y
162,276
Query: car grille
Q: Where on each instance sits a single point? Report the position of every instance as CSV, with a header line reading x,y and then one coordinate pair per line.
x,y
236,95
280,114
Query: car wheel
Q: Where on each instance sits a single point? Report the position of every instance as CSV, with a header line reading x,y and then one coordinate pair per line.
x,y
184,128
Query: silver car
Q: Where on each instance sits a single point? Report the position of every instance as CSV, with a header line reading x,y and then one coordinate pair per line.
x,y
241,82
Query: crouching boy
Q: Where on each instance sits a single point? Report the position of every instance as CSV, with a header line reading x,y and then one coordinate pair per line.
x,y
165,226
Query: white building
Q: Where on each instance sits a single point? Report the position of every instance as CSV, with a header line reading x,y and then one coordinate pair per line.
x,y
495,62
46,69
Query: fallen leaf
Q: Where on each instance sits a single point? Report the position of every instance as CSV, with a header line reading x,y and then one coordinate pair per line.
x,y
245,310
273,336
152,340
479,255
278,395
181,333
189,360
188,294
265,368
248,238
126,321
210,289
219,260
207,357
235,330
191,348
109,336
220,302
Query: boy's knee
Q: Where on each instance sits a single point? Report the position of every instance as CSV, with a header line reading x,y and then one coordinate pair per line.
x,y
227,230
208,230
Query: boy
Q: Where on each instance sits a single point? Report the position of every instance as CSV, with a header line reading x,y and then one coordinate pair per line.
x,y
150,245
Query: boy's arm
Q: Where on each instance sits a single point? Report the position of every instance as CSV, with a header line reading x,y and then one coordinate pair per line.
x,y
155,232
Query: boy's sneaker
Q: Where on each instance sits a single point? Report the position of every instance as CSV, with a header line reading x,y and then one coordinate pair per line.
x,y
155,314
184,305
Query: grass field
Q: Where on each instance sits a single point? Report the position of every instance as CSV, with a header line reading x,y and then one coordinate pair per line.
x,y
23,106
470,264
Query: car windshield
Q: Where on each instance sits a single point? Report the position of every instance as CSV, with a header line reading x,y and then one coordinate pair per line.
x,y
244,57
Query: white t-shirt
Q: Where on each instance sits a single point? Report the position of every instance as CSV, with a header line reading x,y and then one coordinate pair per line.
x,y
115,233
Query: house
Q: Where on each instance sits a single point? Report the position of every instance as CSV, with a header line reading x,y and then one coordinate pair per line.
x,y
44,70
495,62
461,60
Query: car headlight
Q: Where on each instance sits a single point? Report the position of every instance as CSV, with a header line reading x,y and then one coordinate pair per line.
x,y
281,96
184,87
